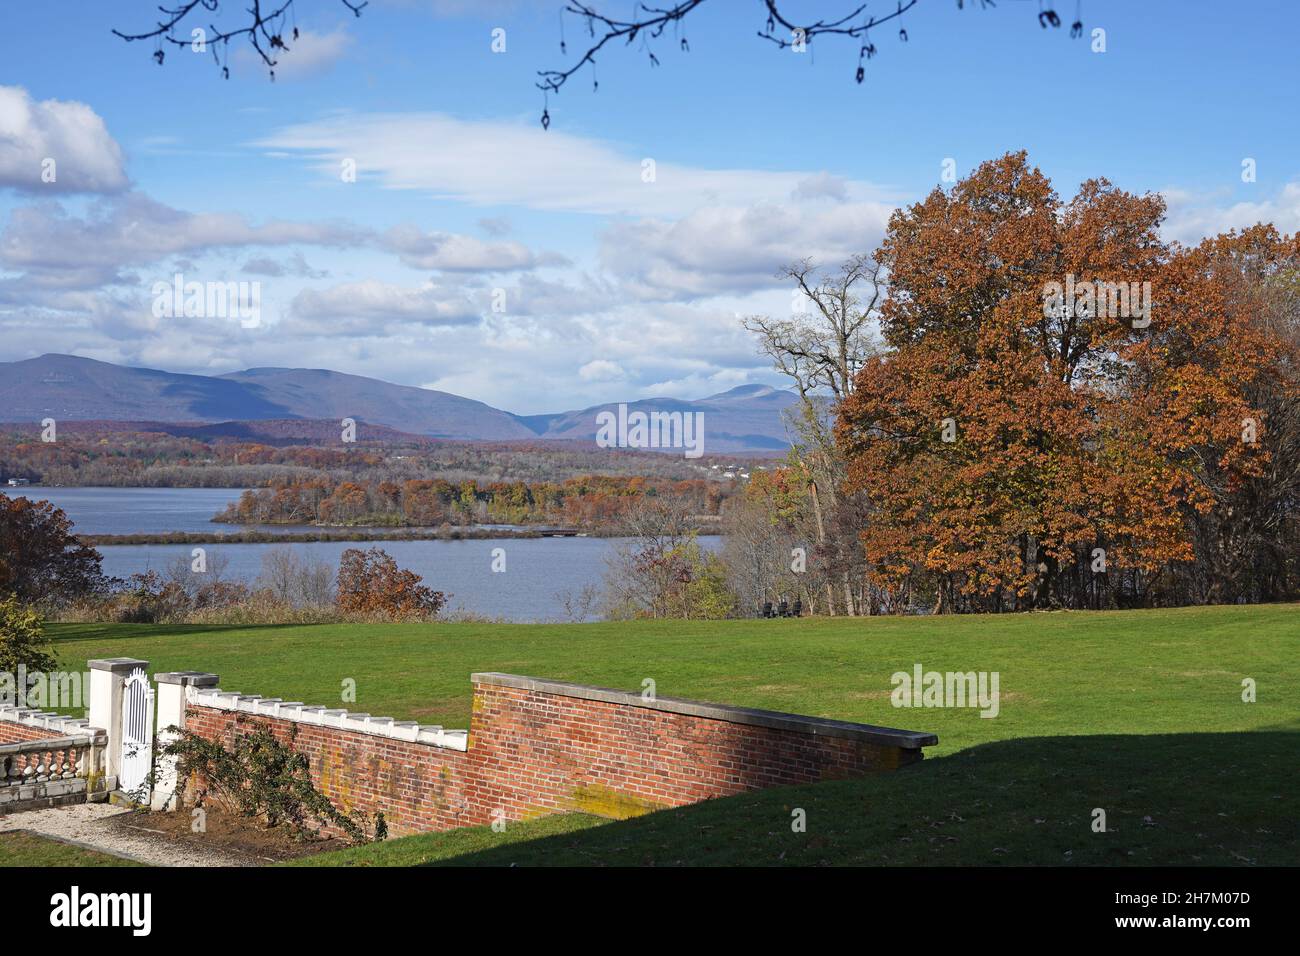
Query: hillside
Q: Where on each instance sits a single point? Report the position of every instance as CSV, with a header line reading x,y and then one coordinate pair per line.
x,y
746,418
69,388
320,393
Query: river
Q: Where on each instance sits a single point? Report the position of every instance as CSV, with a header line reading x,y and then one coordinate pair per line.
x,y
538,571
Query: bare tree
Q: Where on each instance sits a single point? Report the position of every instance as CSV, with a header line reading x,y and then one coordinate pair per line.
x,y
576,605
295,580
279,569
759,550
266,28
661,571
824,349
270,27
821,351
648,24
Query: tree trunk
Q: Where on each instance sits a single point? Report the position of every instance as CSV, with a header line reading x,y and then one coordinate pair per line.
x,y
821,541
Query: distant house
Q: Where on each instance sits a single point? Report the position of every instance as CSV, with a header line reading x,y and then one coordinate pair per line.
x,y
19,482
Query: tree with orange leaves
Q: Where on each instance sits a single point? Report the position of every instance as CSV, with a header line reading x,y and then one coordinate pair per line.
x,y
1057,384
371,583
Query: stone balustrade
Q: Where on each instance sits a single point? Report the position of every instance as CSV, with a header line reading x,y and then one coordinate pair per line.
x,y
51,771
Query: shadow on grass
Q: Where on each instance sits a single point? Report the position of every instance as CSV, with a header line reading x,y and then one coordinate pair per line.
x,y
1224,799
73,633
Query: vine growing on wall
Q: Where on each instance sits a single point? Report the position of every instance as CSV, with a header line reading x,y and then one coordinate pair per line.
x,y
262,777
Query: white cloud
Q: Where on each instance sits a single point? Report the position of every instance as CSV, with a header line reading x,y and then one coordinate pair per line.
x,y
498,163
309,55
697,232
295,265
134,230
56,248
85,157
601,370
737,249
1192,216
455,253
532,295
371,308
822,186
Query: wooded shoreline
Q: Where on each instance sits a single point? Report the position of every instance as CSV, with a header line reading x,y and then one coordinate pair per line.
x,y
349,534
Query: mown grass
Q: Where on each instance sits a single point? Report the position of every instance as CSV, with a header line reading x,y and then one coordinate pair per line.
x,y
1170,800
1137,713
444,848
20,848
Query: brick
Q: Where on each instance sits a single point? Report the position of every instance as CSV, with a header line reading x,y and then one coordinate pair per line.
x,y
545,745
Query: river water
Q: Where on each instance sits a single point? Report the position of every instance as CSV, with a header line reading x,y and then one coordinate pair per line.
x,y
537,570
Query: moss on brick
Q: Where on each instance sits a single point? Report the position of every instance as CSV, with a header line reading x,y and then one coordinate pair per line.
x,y
603,802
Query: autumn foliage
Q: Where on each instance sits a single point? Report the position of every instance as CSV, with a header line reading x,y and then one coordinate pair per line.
x,y
371,584
41,561
592,501
1015,454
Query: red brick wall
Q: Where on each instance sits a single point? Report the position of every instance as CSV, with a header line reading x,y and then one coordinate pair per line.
x,y
12,732
533,752
539,751
418,787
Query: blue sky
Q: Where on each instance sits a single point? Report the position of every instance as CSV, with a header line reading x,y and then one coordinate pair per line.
x,y
613,287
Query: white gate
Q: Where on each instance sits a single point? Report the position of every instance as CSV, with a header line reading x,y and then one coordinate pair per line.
x,y
137,733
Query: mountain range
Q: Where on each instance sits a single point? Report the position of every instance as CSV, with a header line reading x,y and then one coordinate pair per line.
x,y
748,418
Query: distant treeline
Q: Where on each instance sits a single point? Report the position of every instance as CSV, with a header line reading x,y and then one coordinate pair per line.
x,y
593,501
305,537
131,455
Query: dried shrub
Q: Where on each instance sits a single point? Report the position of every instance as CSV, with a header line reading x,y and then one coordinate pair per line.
x,y
263,778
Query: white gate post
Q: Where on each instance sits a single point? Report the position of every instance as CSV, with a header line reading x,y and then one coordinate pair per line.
x,y
173,693
106,679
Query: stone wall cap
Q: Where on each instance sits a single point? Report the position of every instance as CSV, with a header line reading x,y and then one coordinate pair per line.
x,y
35,718
408,730
118,665
187,678
48,743
796,723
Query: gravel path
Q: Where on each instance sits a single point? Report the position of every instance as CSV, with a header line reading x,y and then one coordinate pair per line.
x,y
90,824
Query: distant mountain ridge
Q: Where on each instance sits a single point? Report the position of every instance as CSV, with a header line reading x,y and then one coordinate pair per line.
x,y
748,418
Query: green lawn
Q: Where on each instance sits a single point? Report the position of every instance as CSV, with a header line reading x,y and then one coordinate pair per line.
x,y
450,848
1173,800
1138,713
19,848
